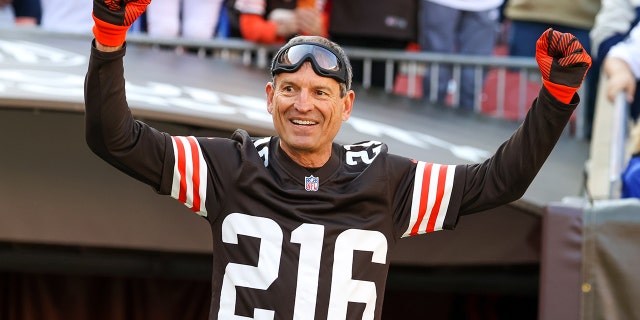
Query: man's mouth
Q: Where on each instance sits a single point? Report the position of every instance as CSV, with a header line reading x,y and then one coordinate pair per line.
x,y
304,122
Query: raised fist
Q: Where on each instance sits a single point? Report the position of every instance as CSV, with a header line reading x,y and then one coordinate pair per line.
x,y
113,18
563,63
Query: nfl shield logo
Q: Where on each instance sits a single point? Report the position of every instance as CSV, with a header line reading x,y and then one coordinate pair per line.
x,y
311,183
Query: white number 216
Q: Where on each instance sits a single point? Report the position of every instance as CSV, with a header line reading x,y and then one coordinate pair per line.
x,y
344,289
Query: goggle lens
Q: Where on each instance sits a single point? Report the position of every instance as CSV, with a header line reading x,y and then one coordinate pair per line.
x,y
323,57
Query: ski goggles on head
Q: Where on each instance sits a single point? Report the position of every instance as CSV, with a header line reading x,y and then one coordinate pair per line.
x,y
325,62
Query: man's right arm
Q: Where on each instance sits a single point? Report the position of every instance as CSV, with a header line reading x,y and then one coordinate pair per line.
x,y
111,131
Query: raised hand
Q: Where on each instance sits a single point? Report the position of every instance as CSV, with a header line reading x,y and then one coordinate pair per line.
x,y
563,62
113,18
620,78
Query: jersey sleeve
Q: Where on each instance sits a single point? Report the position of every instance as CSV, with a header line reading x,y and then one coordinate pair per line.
x,y
437,195
112,133
190,172
433,204
506,176
201,168
189,169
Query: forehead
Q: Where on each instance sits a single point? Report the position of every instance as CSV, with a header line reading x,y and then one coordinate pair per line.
x,y
306,74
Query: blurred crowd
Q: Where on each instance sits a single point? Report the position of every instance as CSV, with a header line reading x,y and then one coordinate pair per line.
x,y
450,26
469,27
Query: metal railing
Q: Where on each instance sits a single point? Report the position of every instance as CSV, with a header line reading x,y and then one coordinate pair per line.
x,y
415,64
423,65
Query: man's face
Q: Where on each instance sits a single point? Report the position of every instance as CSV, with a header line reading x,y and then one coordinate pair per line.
x,y
307,113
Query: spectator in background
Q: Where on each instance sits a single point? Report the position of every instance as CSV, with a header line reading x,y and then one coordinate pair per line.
x,y
528,18
372,24
458,27
19,13
275,21
67,16
621,66
6,14
27,12
612,24
186,18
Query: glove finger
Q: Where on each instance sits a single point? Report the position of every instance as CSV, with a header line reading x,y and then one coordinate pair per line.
x,y
557,43
576,57
560,44
113,5
134,9
542,45
566,44
574,53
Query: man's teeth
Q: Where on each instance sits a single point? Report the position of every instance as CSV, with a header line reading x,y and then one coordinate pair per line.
x,y
305,122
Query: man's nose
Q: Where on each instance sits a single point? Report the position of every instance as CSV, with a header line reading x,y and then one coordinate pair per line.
x,y
305,100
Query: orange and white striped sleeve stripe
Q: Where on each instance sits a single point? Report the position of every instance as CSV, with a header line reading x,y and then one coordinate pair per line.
x,y
189,174
431,196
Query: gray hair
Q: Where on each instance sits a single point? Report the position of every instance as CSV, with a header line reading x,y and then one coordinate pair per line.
x,y
344,87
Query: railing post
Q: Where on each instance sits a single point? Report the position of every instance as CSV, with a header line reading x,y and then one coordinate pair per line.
x,y
478,75
501,91
388,76
618,144
522,92
457,80
412,72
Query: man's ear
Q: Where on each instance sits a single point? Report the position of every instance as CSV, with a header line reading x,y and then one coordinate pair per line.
x,y
348,104
270,90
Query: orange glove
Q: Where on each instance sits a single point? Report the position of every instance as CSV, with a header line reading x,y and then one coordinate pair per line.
x,y
563,63
113,18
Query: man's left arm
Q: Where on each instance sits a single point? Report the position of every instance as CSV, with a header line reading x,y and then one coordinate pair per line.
x,y
505,176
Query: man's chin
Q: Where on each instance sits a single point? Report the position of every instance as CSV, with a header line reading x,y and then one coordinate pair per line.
x,y
303,144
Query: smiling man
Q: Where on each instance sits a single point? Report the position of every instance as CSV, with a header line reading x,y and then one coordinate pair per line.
x,y
303,227
310,100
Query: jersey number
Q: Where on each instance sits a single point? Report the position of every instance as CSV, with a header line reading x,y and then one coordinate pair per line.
x,y
344,289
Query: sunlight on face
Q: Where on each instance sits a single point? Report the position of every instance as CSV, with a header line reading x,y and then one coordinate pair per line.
x,y
307,113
